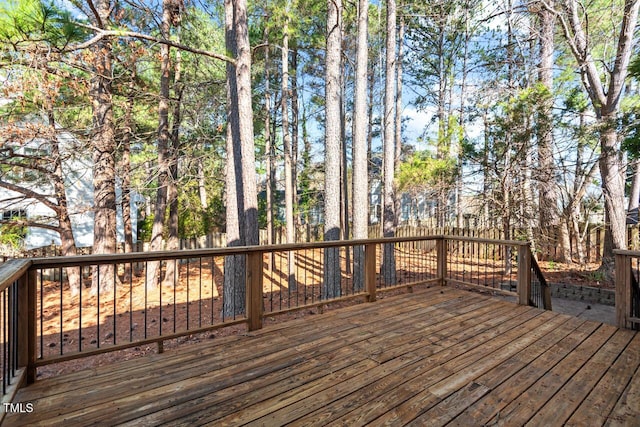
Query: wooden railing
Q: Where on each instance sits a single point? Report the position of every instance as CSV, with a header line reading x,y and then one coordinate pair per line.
x,y
16,309
540,289
48,320
627,289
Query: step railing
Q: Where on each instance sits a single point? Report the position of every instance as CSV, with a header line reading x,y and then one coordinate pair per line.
x,y
540,289
16,340
627,272
54,312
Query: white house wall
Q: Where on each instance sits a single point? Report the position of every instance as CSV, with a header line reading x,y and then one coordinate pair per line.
x,y
78,177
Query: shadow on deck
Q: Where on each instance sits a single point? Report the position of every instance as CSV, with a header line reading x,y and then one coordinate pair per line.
x,y
436,356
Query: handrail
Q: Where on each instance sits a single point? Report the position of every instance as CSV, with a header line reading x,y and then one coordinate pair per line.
x,y
626,252
84,260
12,270
540,288
627,289
635,301
67,331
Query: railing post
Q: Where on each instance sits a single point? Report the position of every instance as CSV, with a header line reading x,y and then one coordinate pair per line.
x,y
31,325
254,276
370,270
524,274
23,321
441,248
623,289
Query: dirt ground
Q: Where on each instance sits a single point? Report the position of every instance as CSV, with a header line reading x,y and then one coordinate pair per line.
x,y
575,274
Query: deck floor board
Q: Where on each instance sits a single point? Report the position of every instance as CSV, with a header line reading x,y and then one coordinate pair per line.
x,y
437,356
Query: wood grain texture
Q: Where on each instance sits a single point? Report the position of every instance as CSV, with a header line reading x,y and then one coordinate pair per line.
x,y
433,357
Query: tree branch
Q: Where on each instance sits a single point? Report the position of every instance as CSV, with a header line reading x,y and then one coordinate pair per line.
x,y
101,34
95,13
31,194
578,44
30,223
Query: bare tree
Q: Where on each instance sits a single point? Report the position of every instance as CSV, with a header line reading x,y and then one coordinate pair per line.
x,y
605,98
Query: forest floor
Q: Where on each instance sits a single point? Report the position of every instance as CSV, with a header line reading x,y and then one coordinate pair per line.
x,y
575,274
131,312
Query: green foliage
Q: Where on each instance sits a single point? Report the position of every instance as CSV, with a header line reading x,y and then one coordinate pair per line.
x,y
145,226
422,171
35,20
194,221
12,235
596,276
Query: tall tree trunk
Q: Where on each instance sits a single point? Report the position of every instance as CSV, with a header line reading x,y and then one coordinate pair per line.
x,y
462,115
164,157
331,284
548,193
304,176
125,168
398,118
359,147
244,120
295,134
388,212
290,229
234,291
371,80
270,174
612,172
241,173
104,149
202,189
173,242
67,241
344,181
486,177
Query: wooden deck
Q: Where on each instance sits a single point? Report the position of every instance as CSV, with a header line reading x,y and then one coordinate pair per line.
x,y
437,356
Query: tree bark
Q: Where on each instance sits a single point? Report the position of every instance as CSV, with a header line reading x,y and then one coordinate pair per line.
x,y
288,164
606,103
388,213
242,225
244,121
331,284
125,168
104,149
164,173
173,242
67,240
397,198
548,194
359,147
234,291
268,148
295,134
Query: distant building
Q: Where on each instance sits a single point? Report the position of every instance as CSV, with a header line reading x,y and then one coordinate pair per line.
x,y
78,177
